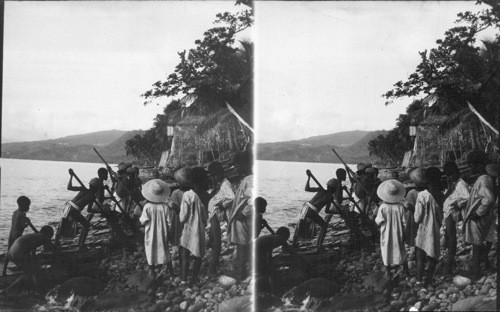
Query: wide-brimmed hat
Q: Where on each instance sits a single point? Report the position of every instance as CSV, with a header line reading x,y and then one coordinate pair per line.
x,y
391,191
492,169
417,175
156,191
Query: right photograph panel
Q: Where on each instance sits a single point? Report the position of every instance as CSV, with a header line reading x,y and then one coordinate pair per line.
x,y
376,156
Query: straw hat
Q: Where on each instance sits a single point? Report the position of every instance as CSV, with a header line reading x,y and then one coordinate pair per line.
x,y
131,170
391,191
492,169
156,191
371,170
417,175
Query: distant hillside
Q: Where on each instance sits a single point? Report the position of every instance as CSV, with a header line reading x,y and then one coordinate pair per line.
x,y
338,139
74,148
352,146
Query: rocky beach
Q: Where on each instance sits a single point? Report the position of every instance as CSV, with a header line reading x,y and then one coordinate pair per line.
x,y
354,280
120,282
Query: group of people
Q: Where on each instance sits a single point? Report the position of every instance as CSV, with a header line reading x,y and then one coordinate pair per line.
x,y
440,200
204,199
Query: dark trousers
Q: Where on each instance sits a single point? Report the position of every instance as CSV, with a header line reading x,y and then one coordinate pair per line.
x,y
241,256
185,260
215,233
421,259
451,242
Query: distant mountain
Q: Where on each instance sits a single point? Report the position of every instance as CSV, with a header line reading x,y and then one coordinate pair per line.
x,y
110,145
352,146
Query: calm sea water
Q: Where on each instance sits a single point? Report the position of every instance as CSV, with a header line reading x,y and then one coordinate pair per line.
x,y
44,182
282,185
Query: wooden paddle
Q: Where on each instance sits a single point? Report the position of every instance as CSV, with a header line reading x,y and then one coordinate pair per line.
x,y
117,178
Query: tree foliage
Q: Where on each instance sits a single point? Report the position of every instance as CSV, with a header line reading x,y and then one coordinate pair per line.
x,y
460,70
218,68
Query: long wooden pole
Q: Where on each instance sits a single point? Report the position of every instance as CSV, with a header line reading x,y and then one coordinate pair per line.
x,y
116,177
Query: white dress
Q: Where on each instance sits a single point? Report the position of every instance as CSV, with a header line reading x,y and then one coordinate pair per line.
x,y
390,218
155,218
194,216
429,217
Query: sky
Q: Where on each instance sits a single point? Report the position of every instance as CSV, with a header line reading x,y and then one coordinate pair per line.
x,y
79,67
74,67
323,66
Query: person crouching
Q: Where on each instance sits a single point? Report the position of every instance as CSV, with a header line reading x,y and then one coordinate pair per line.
x,y
155,218
390,219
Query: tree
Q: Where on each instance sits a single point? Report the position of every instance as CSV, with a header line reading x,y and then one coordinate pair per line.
x,y
460,71
218,69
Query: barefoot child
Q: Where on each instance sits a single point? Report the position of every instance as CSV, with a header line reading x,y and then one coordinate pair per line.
x,y
390,218
155,218
194,216
19,219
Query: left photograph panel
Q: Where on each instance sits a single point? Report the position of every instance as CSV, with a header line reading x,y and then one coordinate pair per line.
x,y
126,162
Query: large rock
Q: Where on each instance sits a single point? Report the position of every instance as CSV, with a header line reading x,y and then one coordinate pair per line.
x,y
80,286
119,301
377,280
237,304
487,306
226,281
467,304
316,288
141,280
461,281
355,302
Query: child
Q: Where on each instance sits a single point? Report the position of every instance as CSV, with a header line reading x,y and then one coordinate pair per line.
x,y
265,270
221,198
429,217
19,220
194,216
390,218
417,175
155,219
22,253
260,206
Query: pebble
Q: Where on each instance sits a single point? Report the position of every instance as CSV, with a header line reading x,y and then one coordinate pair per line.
x,y
183,305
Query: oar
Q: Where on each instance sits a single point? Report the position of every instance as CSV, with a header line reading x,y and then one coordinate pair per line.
x,y
269,229
116,177
322,188
125,215
349,171
83,185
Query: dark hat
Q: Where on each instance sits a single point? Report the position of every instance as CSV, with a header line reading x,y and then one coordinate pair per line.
x,y
123,166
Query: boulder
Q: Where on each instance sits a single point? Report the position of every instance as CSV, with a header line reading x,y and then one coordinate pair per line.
x,y
238,304
377,280
316,288
487,306
118,301
467,304
356,302
461,281
80,286
226,281
141,280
